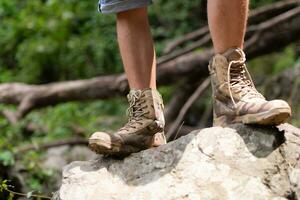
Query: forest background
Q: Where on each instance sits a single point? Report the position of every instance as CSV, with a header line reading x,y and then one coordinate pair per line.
x,y
48,41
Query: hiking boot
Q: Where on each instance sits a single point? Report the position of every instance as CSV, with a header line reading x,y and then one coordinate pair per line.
x,y
235,99
143,130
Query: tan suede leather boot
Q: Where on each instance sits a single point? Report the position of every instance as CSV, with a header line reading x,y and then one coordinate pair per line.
x,y
143,130
235,98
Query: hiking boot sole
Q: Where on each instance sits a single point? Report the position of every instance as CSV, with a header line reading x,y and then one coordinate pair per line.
x,y
107,148
99,147
275,116
102,147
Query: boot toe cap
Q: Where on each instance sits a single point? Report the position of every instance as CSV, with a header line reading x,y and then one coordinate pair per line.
x,y
102,140
280,104
100,136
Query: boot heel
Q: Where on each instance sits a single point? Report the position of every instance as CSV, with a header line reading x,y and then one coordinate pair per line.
x,y
221,119
158,139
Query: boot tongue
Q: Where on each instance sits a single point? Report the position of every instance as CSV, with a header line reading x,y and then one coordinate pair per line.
x,y
133,95
234,54
133,98
238,74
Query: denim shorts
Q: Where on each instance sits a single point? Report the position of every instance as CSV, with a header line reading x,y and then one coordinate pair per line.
x,y
115,6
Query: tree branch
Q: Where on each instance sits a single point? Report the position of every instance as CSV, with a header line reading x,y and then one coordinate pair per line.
x,y
256,16
71,142
196,95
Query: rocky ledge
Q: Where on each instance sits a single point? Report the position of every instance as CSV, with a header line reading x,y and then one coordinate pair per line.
x,y
236,163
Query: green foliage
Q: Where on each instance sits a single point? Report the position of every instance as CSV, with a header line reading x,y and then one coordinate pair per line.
x,y
188,17
57,123
7,158
49,40
4,187
274,63
44,41
258,3
286,59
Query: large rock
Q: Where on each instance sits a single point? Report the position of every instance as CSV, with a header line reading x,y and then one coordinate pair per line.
x,y
240,162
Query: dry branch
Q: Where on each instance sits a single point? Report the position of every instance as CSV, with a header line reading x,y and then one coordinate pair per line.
x,y
256,16
204,40
188,37
71,142
181,94
196,95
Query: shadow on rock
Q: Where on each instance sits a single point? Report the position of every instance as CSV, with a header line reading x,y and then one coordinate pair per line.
x,y
260,140
152,163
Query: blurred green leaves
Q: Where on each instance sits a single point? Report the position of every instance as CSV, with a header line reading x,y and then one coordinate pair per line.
x,y
7,158
44,41
50,40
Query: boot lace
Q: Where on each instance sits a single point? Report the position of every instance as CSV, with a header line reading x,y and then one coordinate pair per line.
x,y
135,111
239,80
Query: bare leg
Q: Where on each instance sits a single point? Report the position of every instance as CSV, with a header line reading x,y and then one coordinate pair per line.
x,y
144,128
137,49
227,21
